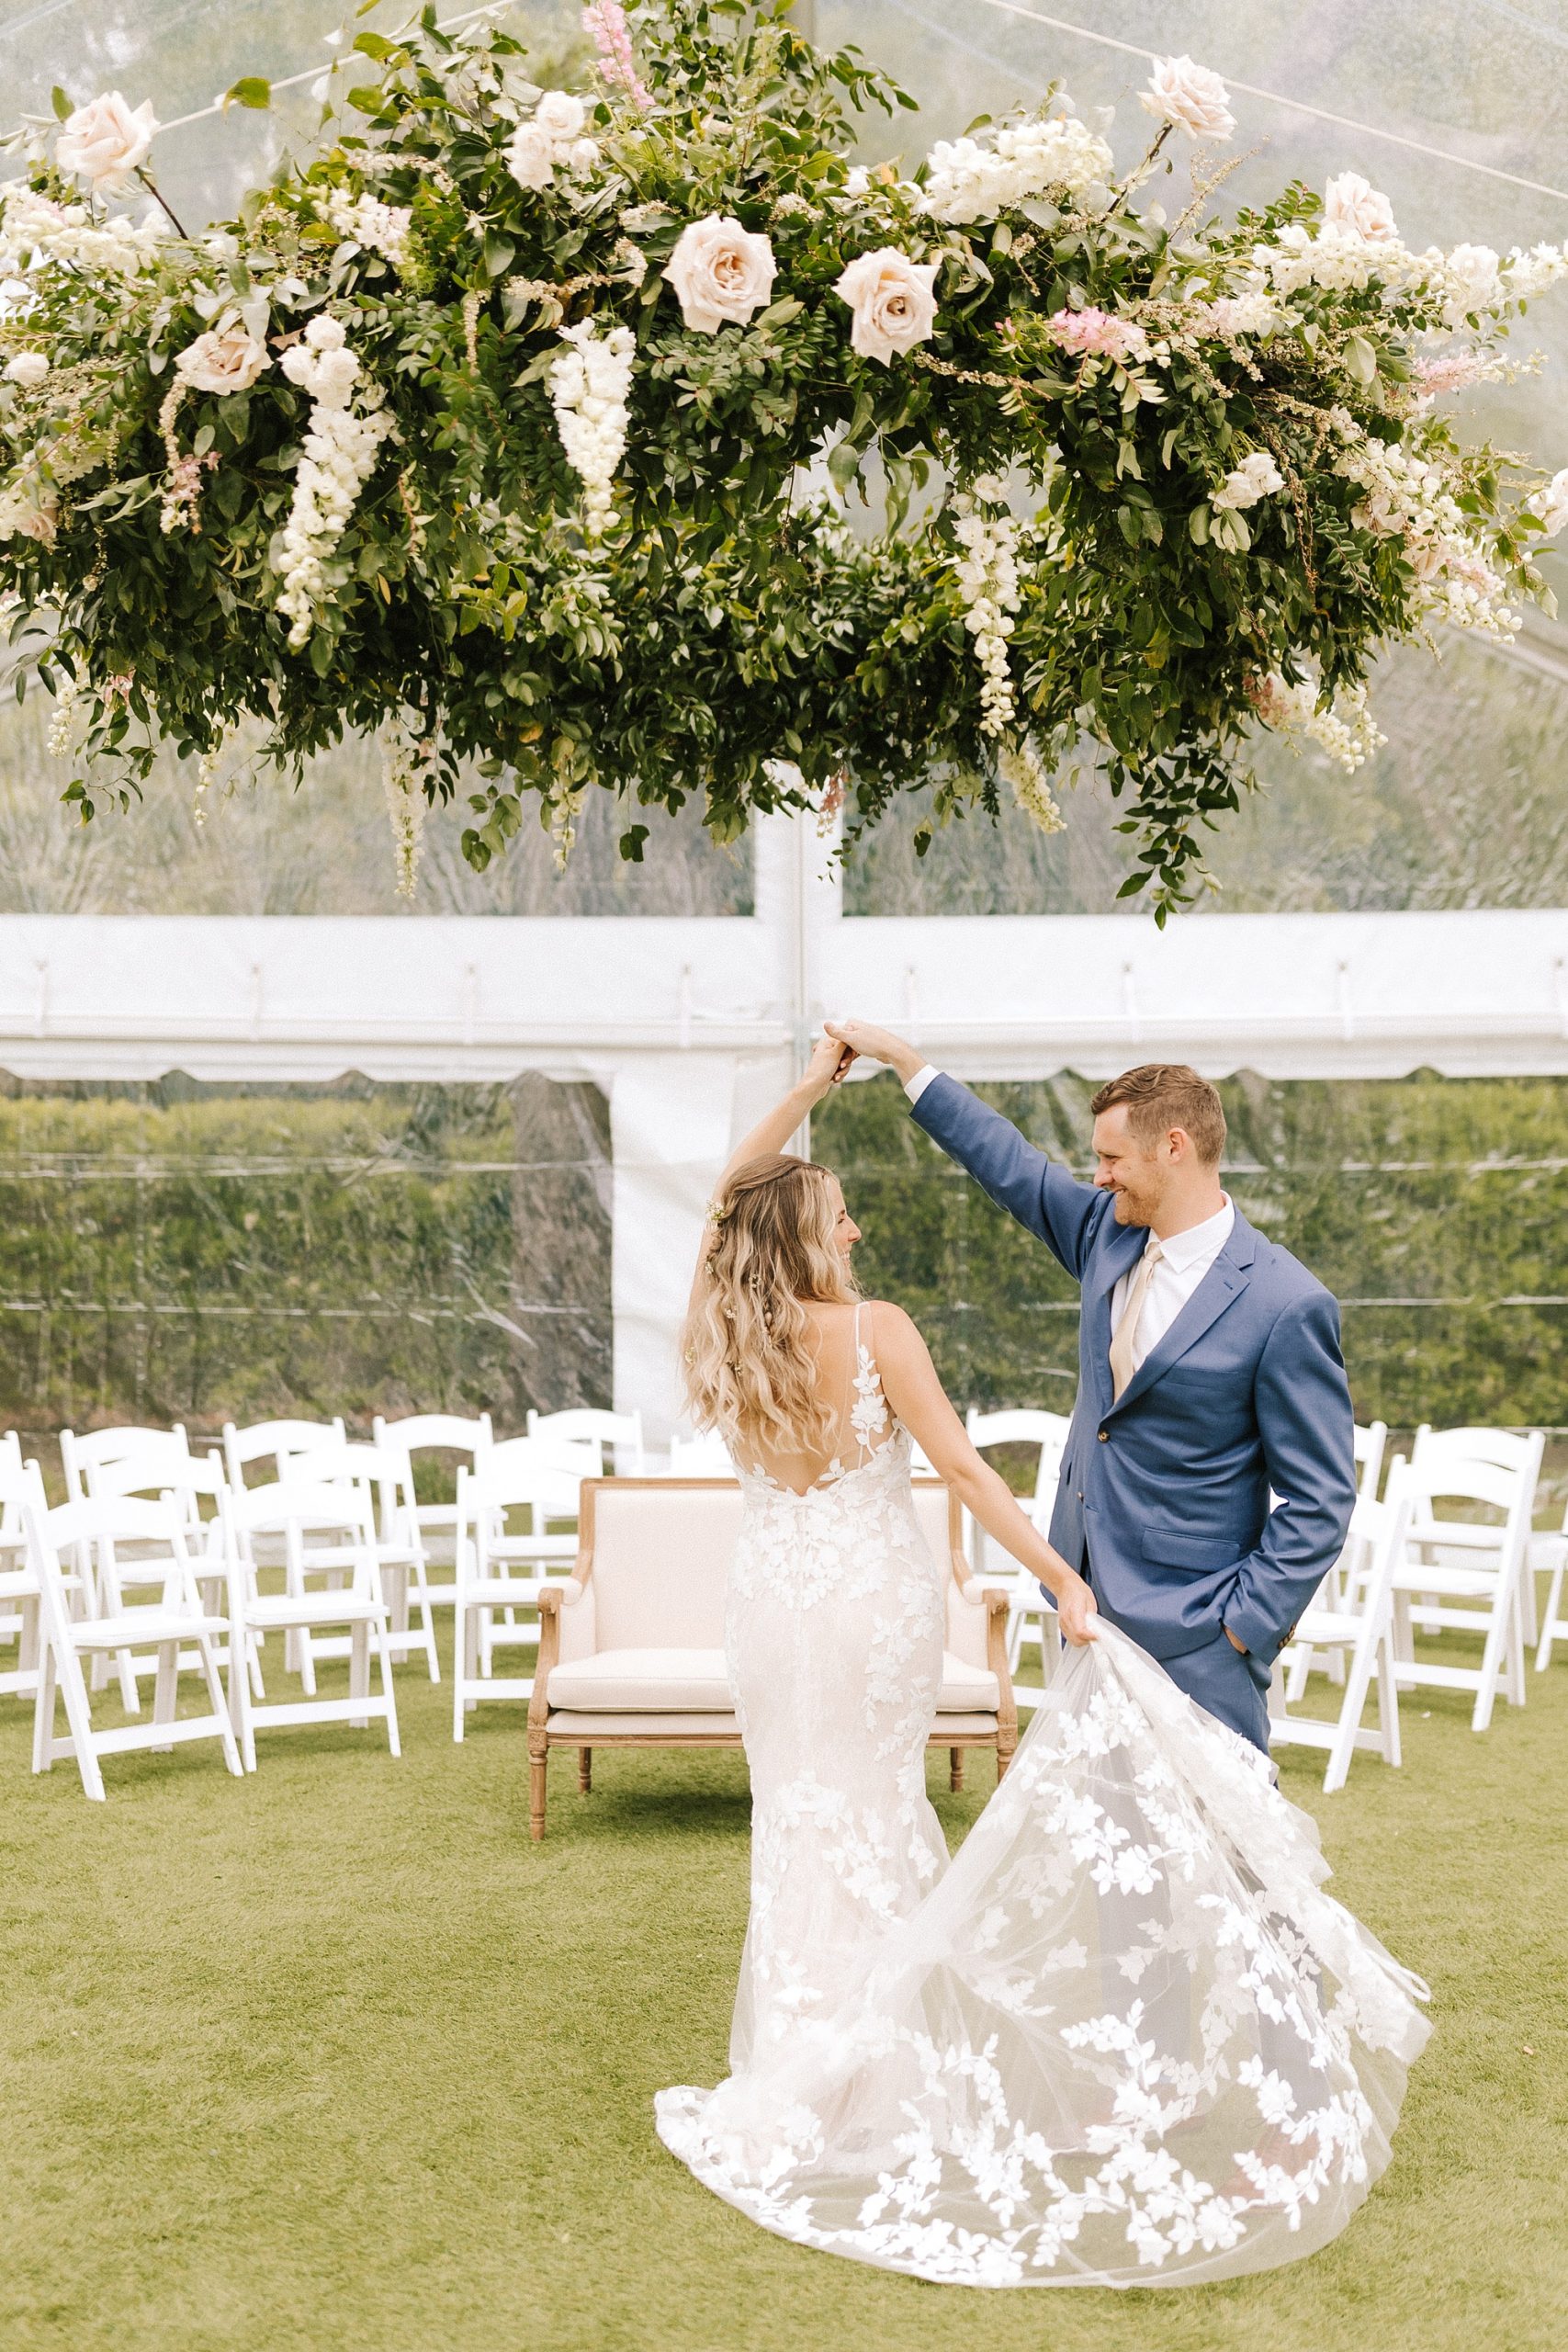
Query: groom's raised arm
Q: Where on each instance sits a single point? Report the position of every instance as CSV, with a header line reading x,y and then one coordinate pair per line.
x,y
1020,1179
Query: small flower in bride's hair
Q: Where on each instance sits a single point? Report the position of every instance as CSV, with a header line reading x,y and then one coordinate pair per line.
x,y
716,1212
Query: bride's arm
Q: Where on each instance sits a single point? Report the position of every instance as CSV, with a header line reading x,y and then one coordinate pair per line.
x,y
916,1395
773,1131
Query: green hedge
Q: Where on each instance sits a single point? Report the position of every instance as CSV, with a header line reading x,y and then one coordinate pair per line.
x,y
180,1252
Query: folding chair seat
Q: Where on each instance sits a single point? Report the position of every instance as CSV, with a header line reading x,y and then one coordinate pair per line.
x,y
1462,1575
1350,1617
500,1571
302,1512
176,1625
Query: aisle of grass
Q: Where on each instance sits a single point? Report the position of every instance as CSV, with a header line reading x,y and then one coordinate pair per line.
x,y
336,2058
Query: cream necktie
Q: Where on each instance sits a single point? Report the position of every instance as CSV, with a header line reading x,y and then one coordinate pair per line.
x,y
1123,1361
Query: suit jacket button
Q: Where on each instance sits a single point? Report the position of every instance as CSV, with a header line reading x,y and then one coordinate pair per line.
x,y
1105,1437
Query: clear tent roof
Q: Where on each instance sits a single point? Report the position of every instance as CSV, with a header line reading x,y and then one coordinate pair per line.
x,y
1475,88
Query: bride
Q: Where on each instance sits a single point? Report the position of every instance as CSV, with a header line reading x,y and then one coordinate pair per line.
x,y
1124,2038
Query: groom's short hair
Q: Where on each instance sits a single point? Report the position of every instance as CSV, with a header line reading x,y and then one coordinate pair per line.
x,y
1162,1095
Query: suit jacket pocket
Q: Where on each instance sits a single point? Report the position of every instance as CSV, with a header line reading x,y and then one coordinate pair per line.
x,y
1177,1547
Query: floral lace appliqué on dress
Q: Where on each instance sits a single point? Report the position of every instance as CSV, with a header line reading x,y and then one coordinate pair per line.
x,y
1125,2039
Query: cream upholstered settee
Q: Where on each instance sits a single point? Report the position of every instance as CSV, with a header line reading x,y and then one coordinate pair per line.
x,y
631,1648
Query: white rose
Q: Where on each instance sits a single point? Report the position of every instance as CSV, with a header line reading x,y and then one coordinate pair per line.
x,y
1551,504
582,155
531,155
223,363
893,301
325,333
1190,97
857,181
1350,203
1474,271
720,271
104,143
560,116
29,368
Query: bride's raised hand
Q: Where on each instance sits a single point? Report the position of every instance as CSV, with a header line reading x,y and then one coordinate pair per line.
x,y
1076,1613
830,1062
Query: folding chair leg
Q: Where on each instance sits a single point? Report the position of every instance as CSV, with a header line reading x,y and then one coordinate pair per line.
x,y
1553,1603
359,1671
1388,1703
461,1636
164,1691
1516,1687
43,1711
219,1697
1494,1664
1350,1713
384,1650
73,1690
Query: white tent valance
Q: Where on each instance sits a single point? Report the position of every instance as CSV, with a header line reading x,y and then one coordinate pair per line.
x,y
687,1023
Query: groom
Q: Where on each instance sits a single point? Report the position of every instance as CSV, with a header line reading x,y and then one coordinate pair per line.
x,y
1211,1383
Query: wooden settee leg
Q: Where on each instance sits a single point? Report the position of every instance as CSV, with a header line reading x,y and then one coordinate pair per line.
x,y
955,1768
585,1770
538,1771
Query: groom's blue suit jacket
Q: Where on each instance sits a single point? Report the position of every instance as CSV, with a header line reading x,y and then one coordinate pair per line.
x,y
1164,1491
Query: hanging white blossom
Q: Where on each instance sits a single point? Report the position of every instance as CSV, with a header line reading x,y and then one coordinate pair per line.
x,y
589,384
1021,768
1256,477
408,759
1550,505
1346,730
987,573
338,457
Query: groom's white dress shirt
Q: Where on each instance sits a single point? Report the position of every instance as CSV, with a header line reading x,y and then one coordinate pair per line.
x,y
1183,1261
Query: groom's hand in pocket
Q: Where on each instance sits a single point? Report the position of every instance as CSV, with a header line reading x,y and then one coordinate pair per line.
x,y
1233,1642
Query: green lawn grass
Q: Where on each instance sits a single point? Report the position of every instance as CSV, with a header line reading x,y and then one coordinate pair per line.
x,y
336,2058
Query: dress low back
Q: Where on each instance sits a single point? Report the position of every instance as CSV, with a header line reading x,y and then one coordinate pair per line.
x,y
1124,2040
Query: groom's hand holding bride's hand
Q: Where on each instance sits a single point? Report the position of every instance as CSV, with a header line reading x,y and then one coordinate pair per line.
x,y
866,1041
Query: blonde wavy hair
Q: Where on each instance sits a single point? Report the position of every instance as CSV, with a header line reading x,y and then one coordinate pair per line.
x,y
749,1371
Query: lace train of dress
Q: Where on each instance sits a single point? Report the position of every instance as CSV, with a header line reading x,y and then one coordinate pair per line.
x,y
1124,2039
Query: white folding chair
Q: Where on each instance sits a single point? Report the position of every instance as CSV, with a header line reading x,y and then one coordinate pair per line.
x,y
281,1443
1554,1554
500,1571
1463,1576
168,1470
302,1512
176,1625
1372,1444
1515,1449
1029,1614
385,1470
19,1596
81,1455
1351,1617
702,1456
471,1440
590,1424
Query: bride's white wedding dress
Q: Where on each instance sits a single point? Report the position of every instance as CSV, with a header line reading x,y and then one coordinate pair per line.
x,y
1124,2040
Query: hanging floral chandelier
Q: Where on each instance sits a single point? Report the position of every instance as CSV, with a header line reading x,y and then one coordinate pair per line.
x,y
636,439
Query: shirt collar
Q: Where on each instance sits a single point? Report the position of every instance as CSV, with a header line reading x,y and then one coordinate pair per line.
x,y
1199,1242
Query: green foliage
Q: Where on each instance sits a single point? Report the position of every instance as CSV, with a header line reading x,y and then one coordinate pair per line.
x,y
728,634
202,1254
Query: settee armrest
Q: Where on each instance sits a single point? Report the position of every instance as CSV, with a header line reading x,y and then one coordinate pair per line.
x,y
570,1635
970,1594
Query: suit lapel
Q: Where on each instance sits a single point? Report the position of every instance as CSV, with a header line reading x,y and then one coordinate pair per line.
x,y
1124,1247
1221,1286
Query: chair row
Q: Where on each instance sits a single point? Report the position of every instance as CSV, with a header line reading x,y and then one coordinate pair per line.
x,y
162,1562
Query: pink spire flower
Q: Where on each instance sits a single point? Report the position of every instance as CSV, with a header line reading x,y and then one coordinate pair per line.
x,y
1094,333
605,22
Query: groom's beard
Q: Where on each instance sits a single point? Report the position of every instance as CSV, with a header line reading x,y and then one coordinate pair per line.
x,y
1128,1209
